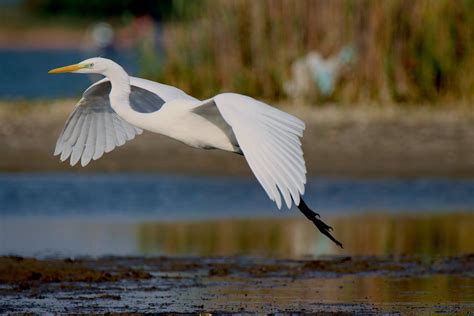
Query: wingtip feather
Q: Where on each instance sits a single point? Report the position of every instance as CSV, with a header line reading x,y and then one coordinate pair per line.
x,y
57,151
63,156
73,162
85,162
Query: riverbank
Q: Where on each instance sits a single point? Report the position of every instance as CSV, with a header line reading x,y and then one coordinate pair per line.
x,y
358,141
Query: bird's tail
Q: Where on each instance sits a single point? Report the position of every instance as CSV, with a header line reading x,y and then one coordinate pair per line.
x,y
314,217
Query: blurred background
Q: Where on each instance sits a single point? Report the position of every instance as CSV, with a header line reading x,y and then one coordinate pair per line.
x,y
385,88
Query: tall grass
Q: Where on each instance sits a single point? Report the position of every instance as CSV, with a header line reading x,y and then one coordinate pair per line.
x,y
407,51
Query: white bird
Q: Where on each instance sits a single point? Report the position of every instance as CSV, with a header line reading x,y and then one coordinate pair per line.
x,y
119,107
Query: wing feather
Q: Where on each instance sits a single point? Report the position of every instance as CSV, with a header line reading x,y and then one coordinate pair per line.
x,y
289,167
293,184
119,132
90,143
128,130
100,137
69,143
69,126
78,148
269,140
263,175
273,123
110,135
292,153
280,180
94,128
65,133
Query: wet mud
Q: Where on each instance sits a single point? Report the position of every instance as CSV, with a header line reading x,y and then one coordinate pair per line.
x,y
412,285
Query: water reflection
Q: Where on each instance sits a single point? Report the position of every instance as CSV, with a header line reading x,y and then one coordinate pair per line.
x,y
352,294
372,234
376,234
261,237
427,235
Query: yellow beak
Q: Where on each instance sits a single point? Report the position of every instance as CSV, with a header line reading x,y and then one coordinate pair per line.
x,y
69,68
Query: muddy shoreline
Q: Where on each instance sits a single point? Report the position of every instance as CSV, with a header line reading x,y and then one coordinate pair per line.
x,y
358,141
237,284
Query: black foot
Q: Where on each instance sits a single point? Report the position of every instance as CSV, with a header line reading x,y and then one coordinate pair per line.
x,y
314,217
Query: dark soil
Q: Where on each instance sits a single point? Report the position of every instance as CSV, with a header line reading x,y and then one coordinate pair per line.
x,y
233,284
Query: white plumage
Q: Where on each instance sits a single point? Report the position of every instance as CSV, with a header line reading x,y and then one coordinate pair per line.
x,y
117,108
269,139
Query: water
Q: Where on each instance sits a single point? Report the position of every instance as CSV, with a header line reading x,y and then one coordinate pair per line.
x,y
168,197
67,214
24,73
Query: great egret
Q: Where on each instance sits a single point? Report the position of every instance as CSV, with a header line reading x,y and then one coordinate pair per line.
x,y
119,107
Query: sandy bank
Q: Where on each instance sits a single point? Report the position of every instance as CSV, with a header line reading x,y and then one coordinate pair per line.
x,y
341,141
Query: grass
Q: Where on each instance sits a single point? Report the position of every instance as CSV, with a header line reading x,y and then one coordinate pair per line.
x,y
407,51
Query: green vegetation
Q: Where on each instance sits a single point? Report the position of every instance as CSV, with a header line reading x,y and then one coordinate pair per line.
x,y
407,51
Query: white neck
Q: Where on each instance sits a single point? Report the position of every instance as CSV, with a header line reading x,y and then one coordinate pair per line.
x,y
120,81
120,94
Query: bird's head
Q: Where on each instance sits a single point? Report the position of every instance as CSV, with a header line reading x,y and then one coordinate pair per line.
x,y
94,65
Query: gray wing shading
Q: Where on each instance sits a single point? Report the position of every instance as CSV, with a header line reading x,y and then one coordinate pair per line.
x,y
94,128
210,112
141,100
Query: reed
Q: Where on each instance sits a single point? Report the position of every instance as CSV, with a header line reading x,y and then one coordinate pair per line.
x,y
406,51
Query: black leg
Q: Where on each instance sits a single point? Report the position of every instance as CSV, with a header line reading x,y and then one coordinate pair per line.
x,y
314,217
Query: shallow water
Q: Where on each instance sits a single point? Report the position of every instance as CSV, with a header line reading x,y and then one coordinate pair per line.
x,y
214,244
176,197
136,214
427,236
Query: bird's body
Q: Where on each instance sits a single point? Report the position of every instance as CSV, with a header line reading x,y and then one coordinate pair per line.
x,y
175,118
117,108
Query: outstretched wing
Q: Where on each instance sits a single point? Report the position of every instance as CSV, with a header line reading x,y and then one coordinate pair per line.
x,y
93,128
269,140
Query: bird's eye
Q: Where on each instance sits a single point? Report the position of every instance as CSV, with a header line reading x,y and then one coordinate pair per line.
x,y
90,65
